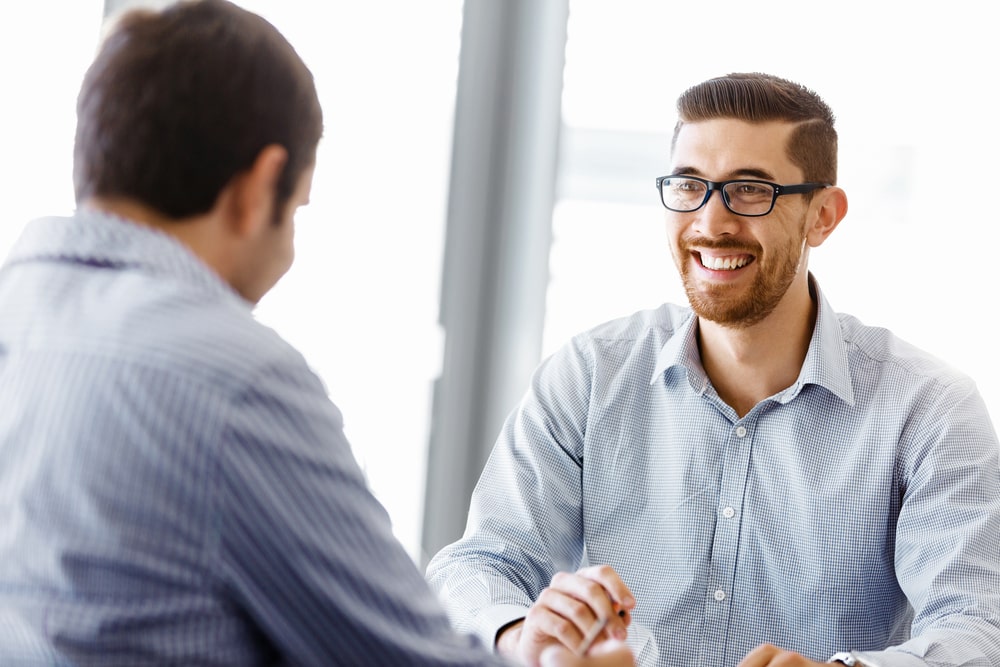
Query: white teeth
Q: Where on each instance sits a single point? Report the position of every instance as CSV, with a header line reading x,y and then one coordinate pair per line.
x,y
724,263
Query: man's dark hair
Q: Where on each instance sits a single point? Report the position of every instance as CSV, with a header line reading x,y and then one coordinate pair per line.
x,y
758,98
180,101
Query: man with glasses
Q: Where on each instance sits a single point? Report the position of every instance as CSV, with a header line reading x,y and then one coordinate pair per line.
x,y
754,479
175,486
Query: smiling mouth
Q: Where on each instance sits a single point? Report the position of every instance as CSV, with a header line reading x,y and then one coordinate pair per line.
x,y
725,262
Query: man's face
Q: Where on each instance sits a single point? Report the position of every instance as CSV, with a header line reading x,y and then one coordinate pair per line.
x,y
737,269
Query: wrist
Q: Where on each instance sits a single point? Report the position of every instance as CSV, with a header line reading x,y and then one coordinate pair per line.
x,y
847,658
508,637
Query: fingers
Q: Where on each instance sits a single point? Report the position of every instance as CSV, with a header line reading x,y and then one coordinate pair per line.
x,y
560,615
602,590
592,603
612,584
575,602
608,654
767,655
760,656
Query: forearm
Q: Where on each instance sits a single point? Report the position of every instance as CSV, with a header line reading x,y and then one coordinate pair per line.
x,y
305,548
478,599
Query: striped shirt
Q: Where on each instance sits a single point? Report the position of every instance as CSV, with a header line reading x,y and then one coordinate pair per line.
x,y
175,485
857,510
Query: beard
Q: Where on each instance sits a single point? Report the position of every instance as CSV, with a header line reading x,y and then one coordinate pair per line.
x,y
737,307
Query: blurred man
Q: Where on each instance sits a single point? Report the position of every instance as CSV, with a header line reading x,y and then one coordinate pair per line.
x,y
756,479
175,486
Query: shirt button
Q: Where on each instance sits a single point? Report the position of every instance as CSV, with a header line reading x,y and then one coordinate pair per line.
x,y
729,512
741,432
720,595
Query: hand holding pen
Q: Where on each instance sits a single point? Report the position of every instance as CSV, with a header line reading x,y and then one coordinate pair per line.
x,y
577,610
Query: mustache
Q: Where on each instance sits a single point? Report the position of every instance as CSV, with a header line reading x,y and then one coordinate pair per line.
x,y
747,247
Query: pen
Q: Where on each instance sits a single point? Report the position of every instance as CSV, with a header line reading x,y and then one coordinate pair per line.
x,y
588,639
595,629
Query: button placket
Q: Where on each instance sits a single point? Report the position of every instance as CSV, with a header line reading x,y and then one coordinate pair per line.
x,y
724,555
728,511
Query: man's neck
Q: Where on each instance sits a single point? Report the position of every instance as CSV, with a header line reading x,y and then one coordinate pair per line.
x,y
203,234
747,365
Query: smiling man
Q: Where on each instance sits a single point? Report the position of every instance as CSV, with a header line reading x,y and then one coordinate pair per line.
x,y
175,485
753,479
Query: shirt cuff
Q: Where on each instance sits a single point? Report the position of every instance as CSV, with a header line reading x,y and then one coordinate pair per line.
x,y
882,659
490,619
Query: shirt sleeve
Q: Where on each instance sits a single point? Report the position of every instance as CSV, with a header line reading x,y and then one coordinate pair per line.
x,y
525,518
947,532
306,550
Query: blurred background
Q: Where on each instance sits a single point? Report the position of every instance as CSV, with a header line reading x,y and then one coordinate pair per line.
x,y
485,189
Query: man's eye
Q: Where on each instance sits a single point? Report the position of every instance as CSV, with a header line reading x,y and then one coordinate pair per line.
x,y
753,190
688,186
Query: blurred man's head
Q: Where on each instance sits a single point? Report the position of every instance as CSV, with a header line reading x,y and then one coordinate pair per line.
x,y
203,121
178,102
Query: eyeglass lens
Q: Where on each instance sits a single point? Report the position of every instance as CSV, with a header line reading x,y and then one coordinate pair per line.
x,y
742,197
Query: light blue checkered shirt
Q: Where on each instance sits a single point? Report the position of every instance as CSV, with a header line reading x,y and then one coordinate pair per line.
x,y
857,510
175,486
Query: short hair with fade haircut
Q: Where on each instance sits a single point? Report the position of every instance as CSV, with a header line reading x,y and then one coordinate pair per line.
x,y
759,98
180,101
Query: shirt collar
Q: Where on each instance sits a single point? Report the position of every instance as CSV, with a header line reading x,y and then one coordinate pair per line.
x,y
825,363
681,351
95,238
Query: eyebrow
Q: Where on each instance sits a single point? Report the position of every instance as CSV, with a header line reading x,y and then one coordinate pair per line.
x,y
744,172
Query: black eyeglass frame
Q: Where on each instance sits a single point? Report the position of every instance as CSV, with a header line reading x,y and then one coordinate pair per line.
x,y
778,191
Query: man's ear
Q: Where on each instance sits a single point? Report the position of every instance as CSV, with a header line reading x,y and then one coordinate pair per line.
x,y
829,206
254,191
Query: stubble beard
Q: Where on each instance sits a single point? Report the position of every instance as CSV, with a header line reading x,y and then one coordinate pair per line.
x,y
739,308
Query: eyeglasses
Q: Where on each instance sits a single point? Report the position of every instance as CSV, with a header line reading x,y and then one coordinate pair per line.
x,y
747,197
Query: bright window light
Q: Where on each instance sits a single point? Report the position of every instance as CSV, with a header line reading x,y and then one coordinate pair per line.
x,y
361,302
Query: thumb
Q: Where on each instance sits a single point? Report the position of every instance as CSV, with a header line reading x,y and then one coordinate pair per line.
x,y
610,647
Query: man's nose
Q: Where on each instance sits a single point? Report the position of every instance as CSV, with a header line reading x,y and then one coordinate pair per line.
x,y
715,218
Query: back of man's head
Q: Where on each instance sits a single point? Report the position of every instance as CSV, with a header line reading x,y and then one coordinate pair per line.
x,y
180,101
